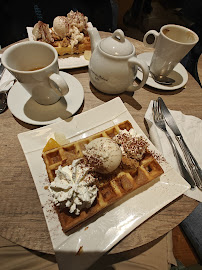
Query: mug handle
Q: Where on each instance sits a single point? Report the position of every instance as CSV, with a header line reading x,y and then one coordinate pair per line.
x,y
155,34
58,84
134,62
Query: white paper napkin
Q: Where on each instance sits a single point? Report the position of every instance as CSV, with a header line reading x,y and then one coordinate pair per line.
x,y
6,81
191,129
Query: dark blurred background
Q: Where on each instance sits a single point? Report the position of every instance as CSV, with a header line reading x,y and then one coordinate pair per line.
x,y
135,17
16,15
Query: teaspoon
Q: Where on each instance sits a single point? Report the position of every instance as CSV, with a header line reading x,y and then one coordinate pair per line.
x,y
162,79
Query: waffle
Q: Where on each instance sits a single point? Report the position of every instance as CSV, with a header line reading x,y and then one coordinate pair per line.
x,y
73,41
111,187
77,49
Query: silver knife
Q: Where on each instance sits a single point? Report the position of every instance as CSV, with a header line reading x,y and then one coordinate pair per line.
x,y
2,69
191,161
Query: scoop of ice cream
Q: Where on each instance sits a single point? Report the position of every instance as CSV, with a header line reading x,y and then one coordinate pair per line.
x,y
103,154
61,26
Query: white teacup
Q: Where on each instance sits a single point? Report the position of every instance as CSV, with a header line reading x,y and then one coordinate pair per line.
x,y
171,44
35,66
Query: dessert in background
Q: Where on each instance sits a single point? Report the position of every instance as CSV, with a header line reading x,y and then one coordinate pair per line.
x,y
88,175
68,35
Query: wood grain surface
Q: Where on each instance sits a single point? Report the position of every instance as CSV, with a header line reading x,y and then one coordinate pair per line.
x,y
21,217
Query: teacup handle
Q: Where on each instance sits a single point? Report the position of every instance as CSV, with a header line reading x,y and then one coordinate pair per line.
x,y
155,34
133,63
58,84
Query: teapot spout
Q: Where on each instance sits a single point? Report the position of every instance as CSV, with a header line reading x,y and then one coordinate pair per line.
x,y
94,37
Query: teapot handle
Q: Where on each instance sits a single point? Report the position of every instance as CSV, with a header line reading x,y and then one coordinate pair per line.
x,y
133,62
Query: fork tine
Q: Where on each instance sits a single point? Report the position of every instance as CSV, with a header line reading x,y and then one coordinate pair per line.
x,y
158,109
155,110
160,115
154,106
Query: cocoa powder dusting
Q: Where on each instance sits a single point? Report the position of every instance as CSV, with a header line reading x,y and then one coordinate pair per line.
x,y
159,158
134,147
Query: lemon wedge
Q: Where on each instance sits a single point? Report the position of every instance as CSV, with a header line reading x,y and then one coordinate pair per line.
x,y
87,55
60,138
51,144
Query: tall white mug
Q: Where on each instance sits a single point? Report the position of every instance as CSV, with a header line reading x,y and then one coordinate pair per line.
x,y
171,44
35,66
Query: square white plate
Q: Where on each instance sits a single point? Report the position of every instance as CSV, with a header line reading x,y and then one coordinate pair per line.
x,y
102,232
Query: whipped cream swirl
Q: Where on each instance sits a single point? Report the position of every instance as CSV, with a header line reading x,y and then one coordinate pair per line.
x,y
73,187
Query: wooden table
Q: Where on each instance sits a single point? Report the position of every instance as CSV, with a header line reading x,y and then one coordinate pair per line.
x,y
21,217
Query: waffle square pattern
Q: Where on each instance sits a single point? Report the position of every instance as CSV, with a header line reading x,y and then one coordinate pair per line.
x,y
131,173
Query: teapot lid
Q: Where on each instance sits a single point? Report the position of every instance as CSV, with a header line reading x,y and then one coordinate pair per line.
x,y
117,44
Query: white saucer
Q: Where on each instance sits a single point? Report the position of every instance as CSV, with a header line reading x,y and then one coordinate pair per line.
x,y
23,107
179,74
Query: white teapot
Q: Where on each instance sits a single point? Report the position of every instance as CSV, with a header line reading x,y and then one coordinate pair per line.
x,y
113,64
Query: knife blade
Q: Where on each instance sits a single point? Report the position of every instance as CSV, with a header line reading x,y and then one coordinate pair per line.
x,y
191,161
169,118
2,69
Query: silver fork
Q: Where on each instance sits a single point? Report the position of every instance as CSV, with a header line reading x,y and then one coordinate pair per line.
x,y
160,123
